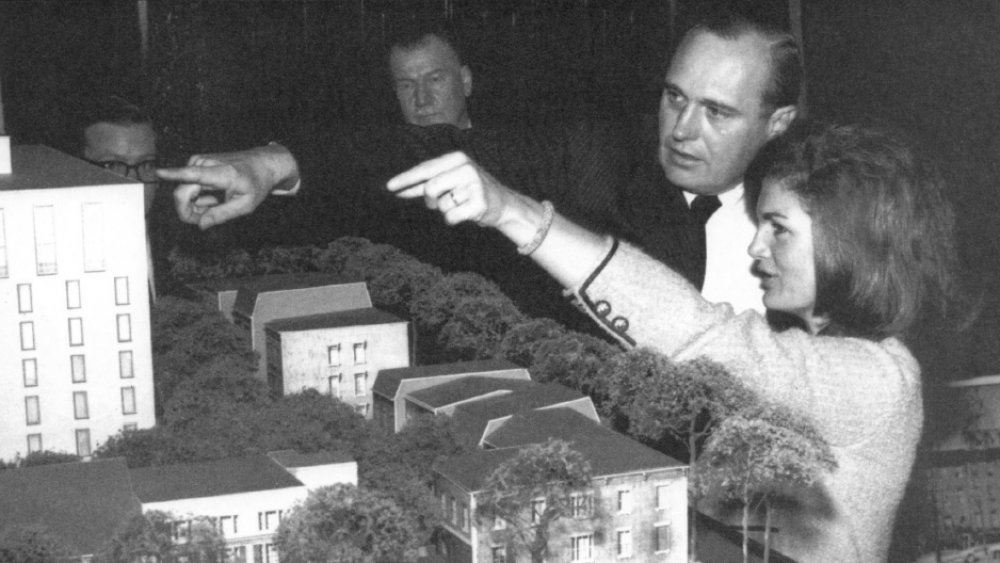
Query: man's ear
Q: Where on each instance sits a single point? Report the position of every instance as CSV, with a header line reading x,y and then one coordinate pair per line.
x,y
780,120
466,80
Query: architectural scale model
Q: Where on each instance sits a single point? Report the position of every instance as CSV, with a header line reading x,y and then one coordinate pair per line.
x,y
75,356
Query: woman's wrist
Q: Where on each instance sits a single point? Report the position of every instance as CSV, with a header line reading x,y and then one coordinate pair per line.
x,y
523,220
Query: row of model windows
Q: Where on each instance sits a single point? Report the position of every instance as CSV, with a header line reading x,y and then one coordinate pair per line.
x,y
45,239
25,300
75,325
582,545
360,354
77,368
360,384
81,408
82,439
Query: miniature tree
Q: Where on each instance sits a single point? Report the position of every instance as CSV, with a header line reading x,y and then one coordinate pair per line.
x,y
532,491
150,536
25,544
756,455
659,401
476,328
344,523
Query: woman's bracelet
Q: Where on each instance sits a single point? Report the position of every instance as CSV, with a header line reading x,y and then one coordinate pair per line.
x,y
547,215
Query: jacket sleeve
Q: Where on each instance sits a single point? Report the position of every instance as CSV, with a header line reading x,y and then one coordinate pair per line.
x,y
850,386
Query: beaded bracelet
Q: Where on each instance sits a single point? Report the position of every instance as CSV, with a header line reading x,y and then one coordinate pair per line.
x,y
547,215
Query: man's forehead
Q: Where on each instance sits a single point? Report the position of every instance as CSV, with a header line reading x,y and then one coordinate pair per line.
x,y
106,139
732,71
430,54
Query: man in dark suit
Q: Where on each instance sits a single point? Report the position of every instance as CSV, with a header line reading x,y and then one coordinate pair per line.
x,y
732,85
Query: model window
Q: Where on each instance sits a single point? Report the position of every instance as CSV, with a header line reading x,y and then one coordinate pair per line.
x,y
32,410
125,364
34,443
334,382
128,400
93,237
29,369
624,501
662,537
537,509
623,543
361,352
124,328
130,426
27,335
76,331
73,294
498,554
361,383
333,355
45,240
78,368
24,298
3,247
582,548
121,291
80,410
581,505
83,442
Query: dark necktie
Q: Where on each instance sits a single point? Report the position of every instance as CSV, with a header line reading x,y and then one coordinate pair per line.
x,y
702,208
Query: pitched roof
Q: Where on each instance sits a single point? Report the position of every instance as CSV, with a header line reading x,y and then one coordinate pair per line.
x,y
337,319
82,503
388,380
292,458
211,478
251,288
608,452
473,417
466,388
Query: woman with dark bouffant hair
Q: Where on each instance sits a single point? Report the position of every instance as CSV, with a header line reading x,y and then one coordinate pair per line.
x,y
854,243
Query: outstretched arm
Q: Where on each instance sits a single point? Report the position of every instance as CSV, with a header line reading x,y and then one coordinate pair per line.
x,y
462,191
215,188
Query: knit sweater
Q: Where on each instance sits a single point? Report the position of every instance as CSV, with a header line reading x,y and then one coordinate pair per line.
x,y
862,396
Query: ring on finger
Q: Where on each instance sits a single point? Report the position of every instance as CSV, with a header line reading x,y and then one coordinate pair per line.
x,y
454,200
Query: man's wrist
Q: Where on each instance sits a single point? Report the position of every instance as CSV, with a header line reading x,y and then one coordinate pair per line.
x,y
283,168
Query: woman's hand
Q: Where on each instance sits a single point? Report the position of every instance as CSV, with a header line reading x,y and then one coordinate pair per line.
x,y
458,188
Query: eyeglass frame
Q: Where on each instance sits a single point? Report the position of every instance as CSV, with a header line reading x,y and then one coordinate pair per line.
x,y
108,165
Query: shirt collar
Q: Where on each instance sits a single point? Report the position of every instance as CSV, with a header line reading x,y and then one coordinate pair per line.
x,y
726,198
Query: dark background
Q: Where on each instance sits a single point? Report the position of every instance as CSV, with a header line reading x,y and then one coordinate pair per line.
x,y
223,75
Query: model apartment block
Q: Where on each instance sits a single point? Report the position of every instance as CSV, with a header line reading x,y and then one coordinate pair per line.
x,y
75,356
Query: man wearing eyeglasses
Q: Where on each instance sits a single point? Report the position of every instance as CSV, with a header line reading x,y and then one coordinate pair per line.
x,y
118,136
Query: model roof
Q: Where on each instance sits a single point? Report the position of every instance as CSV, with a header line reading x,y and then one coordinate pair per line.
x,y
608,452
292,458
82,503
210,478
473,417
247,293
38,167
466,388
337,319
388,380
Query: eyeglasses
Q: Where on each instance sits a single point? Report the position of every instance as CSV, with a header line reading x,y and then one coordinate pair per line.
x,y
145,171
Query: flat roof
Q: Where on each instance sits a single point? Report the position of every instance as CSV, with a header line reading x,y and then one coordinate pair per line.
x,y
336,319
210,478
80,502
465,388
36,167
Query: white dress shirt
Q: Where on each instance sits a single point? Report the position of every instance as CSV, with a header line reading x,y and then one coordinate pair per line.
x,y
728,233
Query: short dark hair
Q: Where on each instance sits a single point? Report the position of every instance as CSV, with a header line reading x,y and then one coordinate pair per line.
x,y
883,228
786,56
411,35
107,109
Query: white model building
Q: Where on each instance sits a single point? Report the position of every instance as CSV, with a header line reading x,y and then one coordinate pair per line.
x,y
75,355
